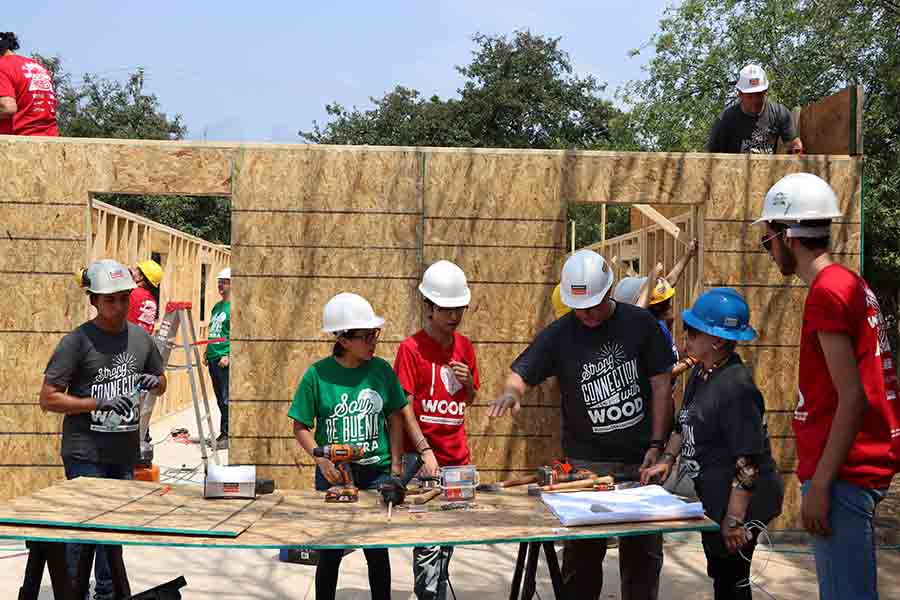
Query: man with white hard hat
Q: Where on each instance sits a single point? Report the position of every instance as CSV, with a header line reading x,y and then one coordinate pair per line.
x,y
754,124
94,378
847,419
613,366
217,357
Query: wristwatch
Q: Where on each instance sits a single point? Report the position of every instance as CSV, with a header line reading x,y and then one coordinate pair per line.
x,y
733,522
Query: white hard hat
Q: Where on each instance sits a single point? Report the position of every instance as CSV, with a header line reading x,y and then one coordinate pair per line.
x,y
445,284
349,311
752,79
628,290
799,197
586,278
106,277
224,273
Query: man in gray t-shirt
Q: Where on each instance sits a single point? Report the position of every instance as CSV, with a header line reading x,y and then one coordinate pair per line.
x,y
93,378
754,124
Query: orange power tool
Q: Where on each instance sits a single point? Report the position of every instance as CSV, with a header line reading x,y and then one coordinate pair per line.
x,y
341,455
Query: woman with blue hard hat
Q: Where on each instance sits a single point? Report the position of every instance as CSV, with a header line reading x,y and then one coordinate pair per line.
x,y
721,436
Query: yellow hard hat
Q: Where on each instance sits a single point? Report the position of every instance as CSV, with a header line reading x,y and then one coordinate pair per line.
x,y
152,271
662,291
559,308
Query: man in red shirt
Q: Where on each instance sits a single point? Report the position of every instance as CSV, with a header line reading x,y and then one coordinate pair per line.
x,y
27,99
847,420
438,372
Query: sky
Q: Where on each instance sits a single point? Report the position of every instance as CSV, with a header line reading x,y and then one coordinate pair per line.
x,y
261,71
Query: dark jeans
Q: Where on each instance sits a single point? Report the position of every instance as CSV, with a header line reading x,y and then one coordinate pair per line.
x,y
377,559
219,376
103,587
730,572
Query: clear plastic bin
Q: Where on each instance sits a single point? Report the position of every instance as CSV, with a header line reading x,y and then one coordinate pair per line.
x,y
459,483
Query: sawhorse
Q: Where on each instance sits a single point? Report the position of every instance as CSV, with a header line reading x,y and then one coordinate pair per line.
x,y
53,555
526,565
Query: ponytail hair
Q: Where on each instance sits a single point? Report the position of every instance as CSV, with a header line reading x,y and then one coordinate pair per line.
x,y
8,41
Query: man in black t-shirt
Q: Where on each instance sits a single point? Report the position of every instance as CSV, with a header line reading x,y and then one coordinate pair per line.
x,y
93,378
754,124
612,362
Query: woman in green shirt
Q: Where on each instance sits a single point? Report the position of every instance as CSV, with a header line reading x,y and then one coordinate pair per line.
x,y
353,397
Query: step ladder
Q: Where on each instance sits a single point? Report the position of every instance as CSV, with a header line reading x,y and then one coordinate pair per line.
x,y
179,319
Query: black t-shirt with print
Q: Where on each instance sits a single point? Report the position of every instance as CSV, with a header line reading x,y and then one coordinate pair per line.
x,y
721,419
735,132
92,363
604,378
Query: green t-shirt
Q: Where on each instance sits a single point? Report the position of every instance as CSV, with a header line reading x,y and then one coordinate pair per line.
x,y
219,326
350,406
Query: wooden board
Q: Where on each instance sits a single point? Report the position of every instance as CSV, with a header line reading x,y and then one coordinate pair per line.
x,y
330,230
304,519
833,125
34,302
734,269
486,233
741,237
308,262
483,265
322,178
135,506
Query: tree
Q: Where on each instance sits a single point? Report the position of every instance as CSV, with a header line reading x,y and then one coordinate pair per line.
x,y
811,48
104,108
518,92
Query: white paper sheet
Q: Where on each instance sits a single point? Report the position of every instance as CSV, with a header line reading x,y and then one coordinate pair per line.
x,y
647,503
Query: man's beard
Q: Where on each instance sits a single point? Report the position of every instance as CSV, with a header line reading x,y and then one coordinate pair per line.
x,y
788,263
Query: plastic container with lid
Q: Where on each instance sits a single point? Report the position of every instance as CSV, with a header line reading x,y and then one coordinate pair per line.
x,y
459,483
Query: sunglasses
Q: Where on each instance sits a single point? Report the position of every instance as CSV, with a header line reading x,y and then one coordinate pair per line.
x,y
691,332
442,309
767,241
368,337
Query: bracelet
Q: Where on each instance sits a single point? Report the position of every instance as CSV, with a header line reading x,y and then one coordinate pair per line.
x,y
658,444
425,449
667,456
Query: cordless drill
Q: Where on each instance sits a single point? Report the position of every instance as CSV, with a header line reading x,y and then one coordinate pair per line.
x,y
341,455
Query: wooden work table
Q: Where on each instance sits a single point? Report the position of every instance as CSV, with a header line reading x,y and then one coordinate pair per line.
x,y
129,513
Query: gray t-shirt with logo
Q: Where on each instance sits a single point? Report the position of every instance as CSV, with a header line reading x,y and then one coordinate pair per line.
x,y
604,378
738,133
91,362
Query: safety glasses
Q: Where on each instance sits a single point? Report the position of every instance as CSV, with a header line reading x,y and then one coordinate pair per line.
x,y
767,240
691,332
367,336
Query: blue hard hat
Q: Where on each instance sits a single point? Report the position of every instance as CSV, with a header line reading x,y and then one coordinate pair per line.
x,y
721,312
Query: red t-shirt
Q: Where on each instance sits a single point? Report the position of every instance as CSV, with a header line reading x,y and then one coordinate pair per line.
x,y
839,300
30,84
142,309
439,399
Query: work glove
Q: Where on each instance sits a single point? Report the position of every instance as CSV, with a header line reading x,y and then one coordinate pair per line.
x,y
120,404
148,382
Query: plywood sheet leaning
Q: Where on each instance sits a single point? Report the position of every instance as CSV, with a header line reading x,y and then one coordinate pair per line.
x,y
834,125
134,506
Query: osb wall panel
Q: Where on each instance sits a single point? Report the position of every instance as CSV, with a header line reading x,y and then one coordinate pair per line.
x,y
826,126
461,202
304,178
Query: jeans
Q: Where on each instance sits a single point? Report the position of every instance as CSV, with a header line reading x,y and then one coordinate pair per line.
x,y
845,561
103,586
730,572
640,556
219,376
377,560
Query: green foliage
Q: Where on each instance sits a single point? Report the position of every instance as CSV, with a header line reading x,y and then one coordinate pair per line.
x,y
587,219
518,92
811,49
104,108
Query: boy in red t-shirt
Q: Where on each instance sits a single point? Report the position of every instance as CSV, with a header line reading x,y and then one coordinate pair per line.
x,y
438,372
847,420
27,99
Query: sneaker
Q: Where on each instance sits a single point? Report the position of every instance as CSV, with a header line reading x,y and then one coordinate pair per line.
x,y
222,443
